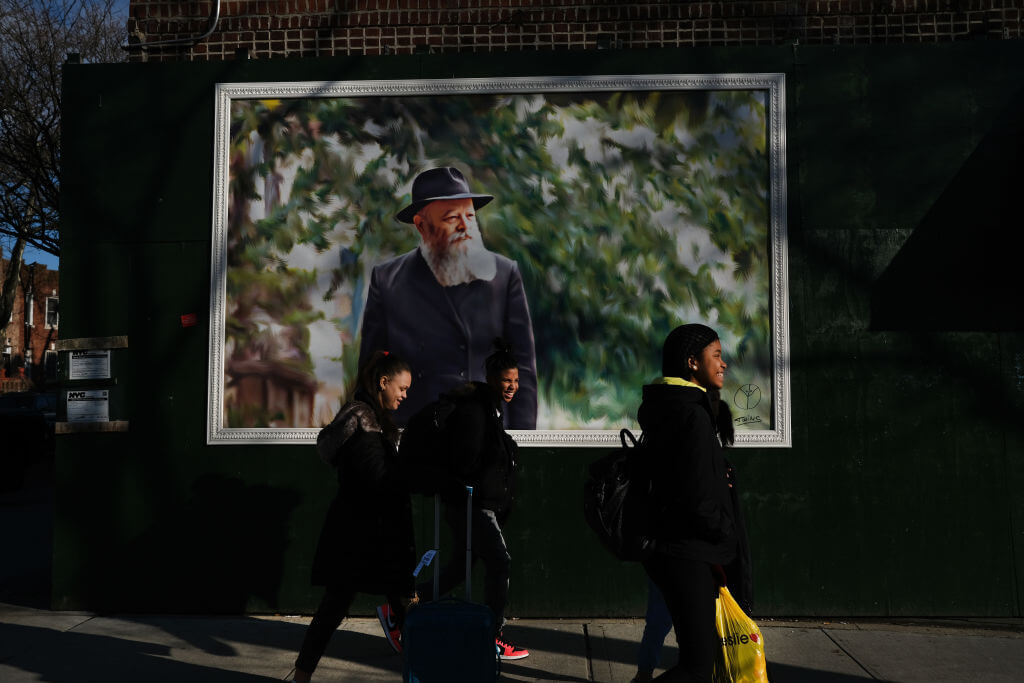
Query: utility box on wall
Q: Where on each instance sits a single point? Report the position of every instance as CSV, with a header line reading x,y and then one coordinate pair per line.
x,y
92,399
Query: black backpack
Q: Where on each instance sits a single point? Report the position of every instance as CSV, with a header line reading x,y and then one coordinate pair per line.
x,y
616,499
423,456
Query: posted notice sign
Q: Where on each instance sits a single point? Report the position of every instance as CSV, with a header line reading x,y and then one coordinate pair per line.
x,y
91,364
91,405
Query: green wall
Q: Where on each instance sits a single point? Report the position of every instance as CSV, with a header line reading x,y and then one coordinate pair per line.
x,y
898,497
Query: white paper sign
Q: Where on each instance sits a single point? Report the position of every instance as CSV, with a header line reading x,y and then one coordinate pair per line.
x,y
91,405
91,364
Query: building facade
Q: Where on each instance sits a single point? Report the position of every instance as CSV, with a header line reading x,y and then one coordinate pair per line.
x,y
173,31
29,356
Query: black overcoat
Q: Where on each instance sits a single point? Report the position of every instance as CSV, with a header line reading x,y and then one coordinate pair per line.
x,y
446,333
367,541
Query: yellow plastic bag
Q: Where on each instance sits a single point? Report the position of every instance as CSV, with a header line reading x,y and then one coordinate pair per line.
x,y
742,659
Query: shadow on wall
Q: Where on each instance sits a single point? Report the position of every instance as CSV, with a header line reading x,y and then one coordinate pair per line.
x,y
960,269
225,547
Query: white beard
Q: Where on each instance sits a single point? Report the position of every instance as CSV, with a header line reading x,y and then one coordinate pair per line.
x,y
460,262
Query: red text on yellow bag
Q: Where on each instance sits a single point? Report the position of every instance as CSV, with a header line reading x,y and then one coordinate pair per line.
x,y
742,658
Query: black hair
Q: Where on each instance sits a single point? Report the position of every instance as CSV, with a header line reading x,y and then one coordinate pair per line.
x,y
681,344
501,360
381,364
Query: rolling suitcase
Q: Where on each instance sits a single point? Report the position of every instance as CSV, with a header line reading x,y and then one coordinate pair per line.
x,y
450,640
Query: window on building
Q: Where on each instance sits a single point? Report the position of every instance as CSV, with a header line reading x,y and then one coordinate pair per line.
x,y
52,317
29,311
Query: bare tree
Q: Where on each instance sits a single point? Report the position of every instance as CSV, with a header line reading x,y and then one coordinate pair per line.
x,y
36,37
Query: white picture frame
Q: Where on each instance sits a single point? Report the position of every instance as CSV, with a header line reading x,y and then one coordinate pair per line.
x,y
768,88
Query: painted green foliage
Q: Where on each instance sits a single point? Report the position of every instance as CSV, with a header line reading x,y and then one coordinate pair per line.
x,y
628,213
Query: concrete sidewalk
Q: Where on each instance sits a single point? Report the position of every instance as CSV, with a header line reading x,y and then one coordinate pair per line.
x,y
41,645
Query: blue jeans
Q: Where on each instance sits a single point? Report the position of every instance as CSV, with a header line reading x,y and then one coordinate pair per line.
x,y
657,624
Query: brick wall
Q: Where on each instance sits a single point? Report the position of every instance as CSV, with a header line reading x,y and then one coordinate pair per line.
x,y
28,336
265,28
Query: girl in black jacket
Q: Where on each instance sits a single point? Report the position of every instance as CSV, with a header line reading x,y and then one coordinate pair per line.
x,y
695,525
367,543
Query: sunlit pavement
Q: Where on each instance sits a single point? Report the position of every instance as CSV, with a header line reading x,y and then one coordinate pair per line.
x,y
41,645
37,644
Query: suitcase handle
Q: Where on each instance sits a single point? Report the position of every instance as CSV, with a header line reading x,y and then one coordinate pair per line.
x,y
469,542
437,544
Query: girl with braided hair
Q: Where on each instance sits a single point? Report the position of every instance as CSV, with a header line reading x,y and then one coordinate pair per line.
x,y
476,439
695,523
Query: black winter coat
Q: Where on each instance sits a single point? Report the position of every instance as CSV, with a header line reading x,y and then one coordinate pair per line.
x,y
694,515
483,453
367,541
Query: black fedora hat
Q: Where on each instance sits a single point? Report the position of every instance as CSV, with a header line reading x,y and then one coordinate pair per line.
x,y
439,183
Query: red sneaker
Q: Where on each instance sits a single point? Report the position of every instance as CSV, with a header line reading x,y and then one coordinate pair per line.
x,y
391,632
507,650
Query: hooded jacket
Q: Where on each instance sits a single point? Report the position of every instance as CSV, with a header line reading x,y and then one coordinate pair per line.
x,y
693,512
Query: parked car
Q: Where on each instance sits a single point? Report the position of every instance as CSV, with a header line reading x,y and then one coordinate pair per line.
x,y
26,434
29,404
